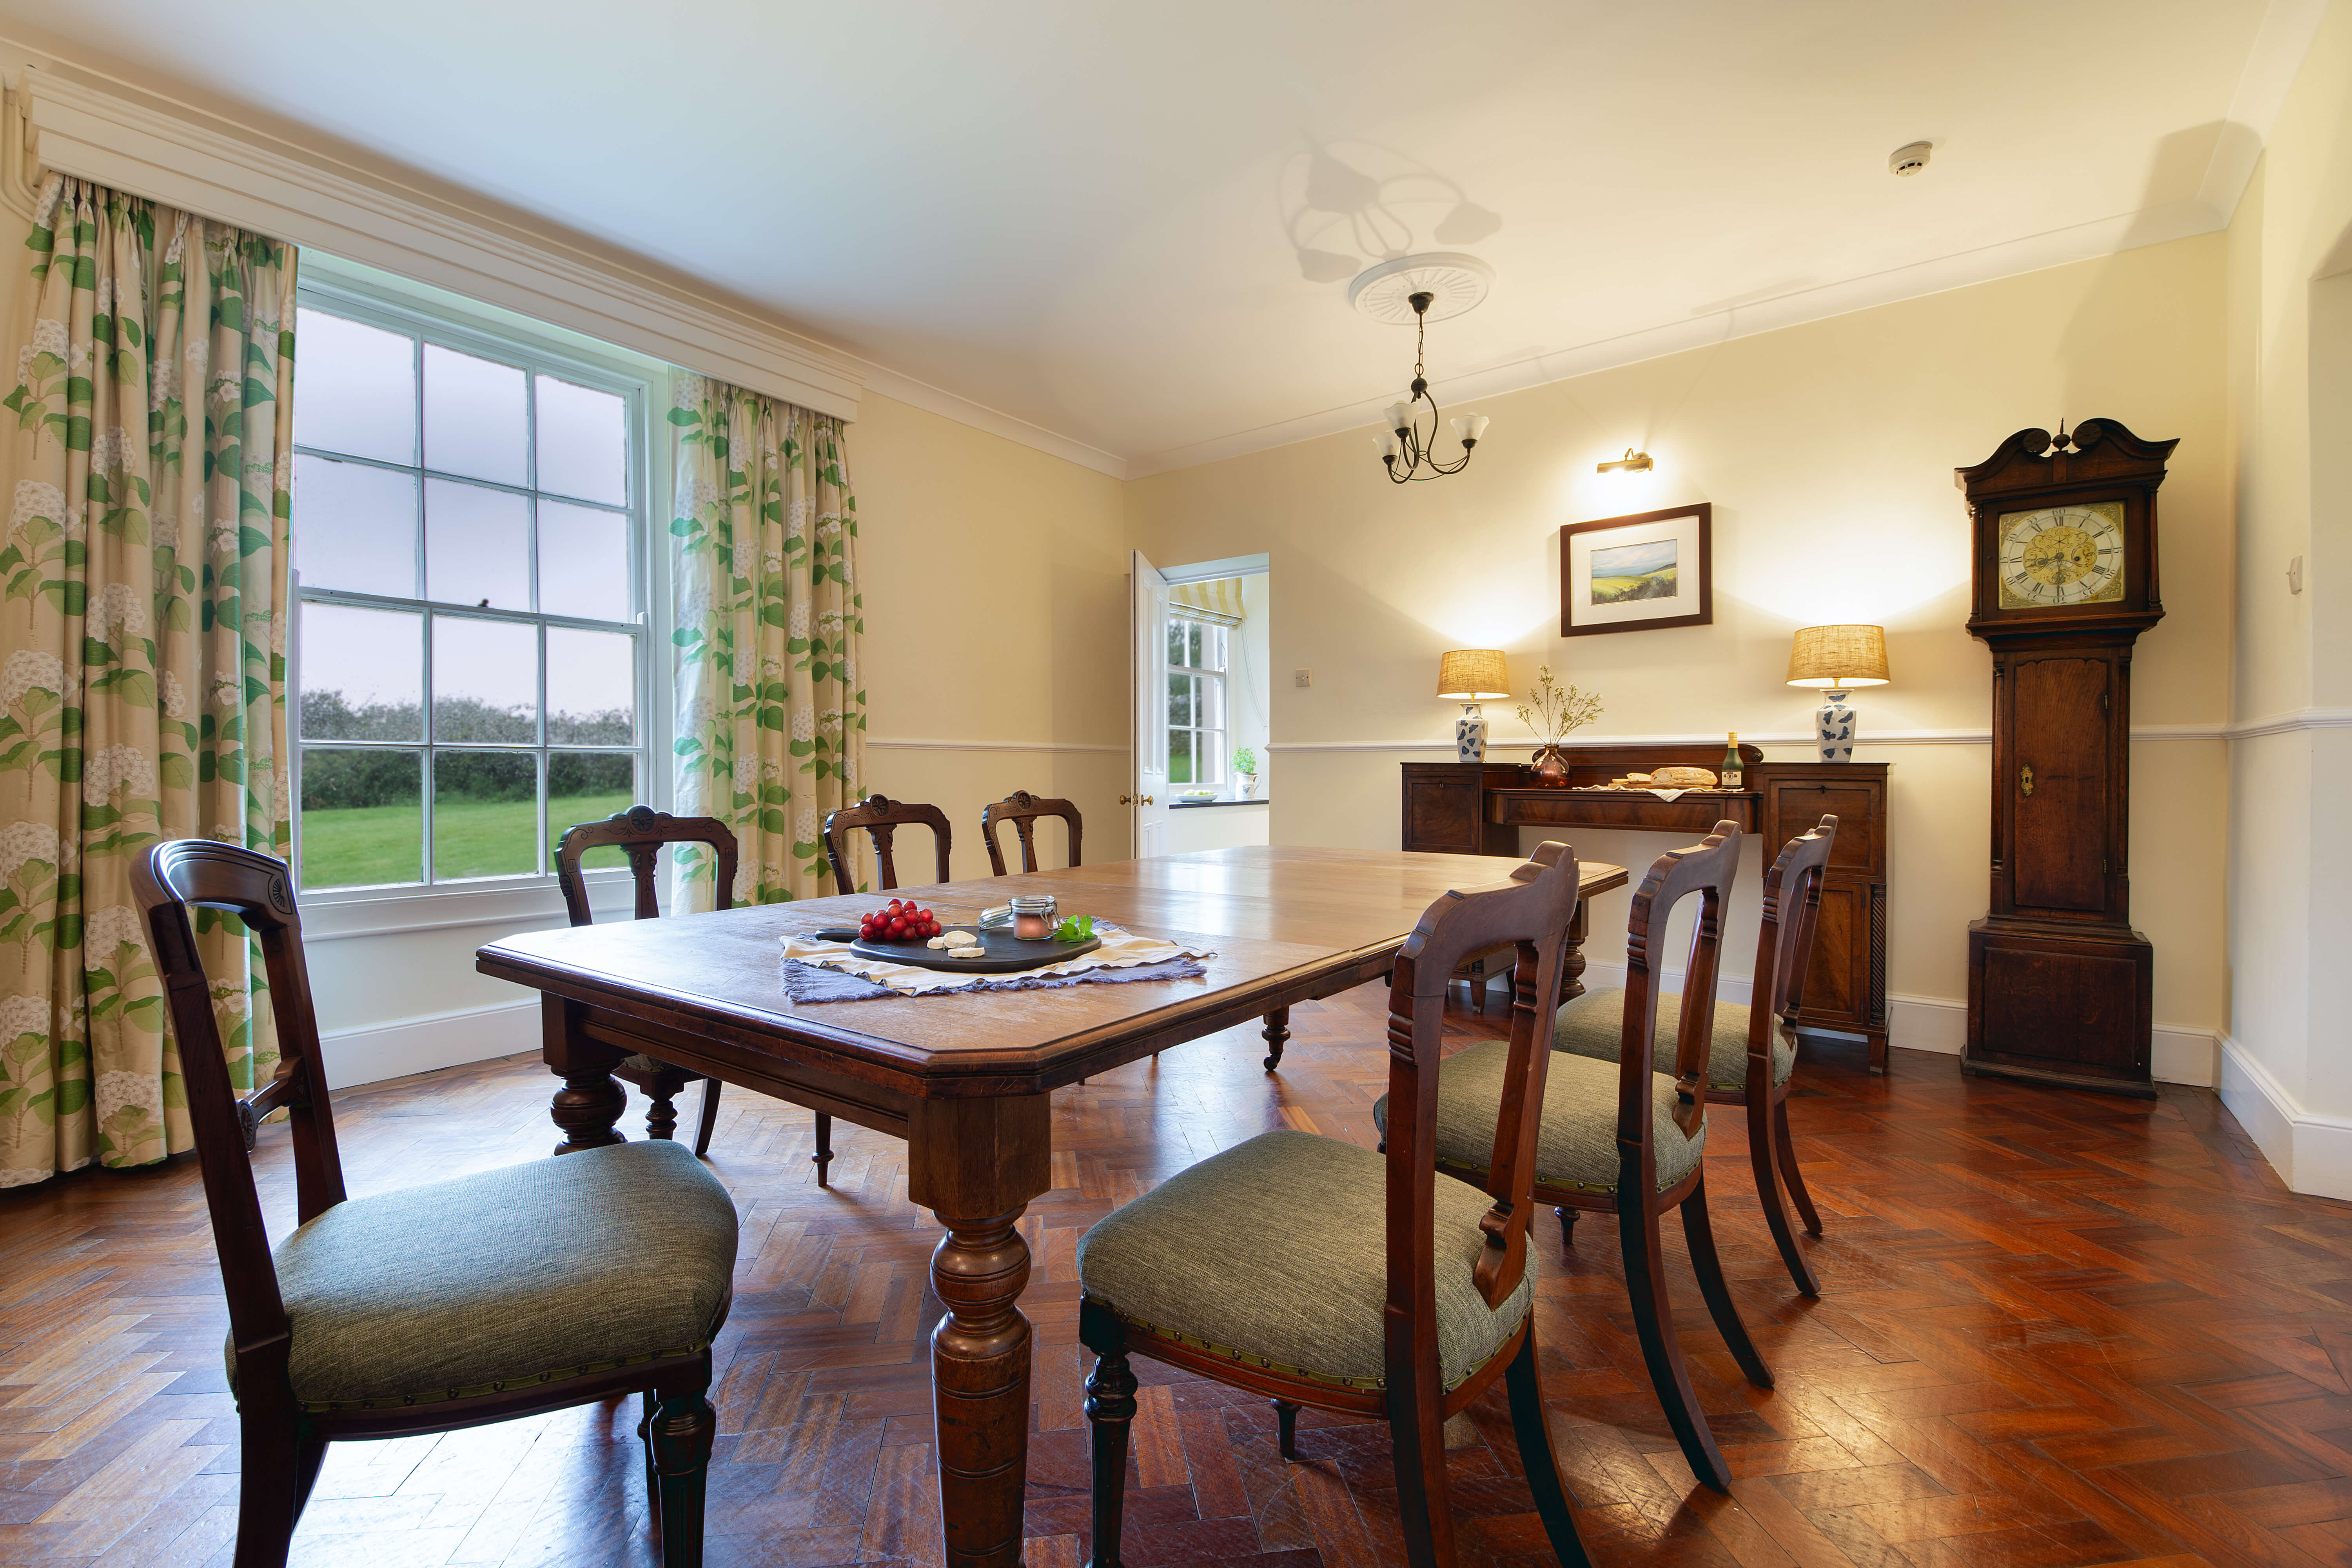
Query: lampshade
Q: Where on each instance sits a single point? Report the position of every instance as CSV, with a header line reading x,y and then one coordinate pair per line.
x,y
1470,428
1472,674
1400,415
1838,658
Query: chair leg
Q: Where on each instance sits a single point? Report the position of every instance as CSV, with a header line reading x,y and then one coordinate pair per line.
x,y
645,1443
1699,1234
1645,1288
1768,1193
1417,1433
1276,1034
270,1457
1111,1415
709,1119
1535,1458
1567,1226
823,1158
683,1430
1788,1171
1285,1416
661,1107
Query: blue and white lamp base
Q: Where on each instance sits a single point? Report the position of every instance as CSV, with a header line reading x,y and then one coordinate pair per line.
x,y
1470,734
1836,728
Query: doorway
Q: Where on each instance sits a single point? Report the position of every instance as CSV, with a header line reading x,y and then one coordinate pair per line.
x,y
1203,653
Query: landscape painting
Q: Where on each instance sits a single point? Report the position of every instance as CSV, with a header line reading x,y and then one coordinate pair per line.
x,y
1631,572
1648,572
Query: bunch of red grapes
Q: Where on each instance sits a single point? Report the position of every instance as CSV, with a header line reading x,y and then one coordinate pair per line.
x,y
902,920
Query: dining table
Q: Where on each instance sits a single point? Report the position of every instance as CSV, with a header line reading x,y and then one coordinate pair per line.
x,y
964,1076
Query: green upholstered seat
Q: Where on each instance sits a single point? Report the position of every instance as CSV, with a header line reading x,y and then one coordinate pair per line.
x,y
508,1277
1274,1252
1590,1025
1578,1147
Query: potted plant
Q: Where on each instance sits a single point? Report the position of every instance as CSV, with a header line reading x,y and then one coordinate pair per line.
x,y
1246,772
1553,712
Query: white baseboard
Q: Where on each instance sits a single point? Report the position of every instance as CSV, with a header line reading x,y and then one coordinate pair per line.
x,y
2312,1154
356,1057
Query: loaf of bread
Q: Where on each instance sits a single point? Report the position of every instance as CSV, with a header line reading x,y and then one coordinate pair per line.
x,y
1682,778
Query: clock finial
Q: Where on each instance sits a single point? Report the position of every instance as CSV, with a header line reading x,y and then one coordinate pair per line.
x,y
2061,441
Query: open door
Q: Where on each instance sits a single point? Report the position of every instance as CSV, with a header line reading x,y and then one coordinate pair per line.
x,y
1148,684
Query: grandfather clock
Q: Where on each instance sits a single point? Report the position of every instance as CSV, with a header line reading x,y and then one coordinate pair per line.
x,y
2060,985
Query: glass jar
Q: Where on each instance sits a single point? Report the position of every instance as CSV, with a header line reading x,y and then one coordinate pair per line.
x,y
1034,916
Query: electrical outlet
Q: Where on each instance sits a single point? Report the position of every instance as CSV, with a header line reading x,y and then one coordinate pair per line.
x,y
1302,678
2294,576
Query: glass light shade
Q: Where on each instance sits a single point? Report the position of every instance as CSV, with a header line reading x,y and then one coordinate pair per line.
x,y
1400,415
1838,658
1470,426
1472,674
1388,444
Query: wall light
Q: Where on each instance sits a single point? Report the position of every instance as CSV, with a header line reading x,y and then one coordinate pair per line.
x,y
1633,462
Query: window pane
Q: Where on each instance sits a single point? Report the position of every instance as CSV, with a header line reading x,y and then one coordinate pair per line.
x,y
474,418
588,786
583,562
583,442
476,546
362,816
1213,702
1180,756
1180,700
592,687
1213,653
1197,629
485,814
485,681
362,676
1175,642
354,388
354,527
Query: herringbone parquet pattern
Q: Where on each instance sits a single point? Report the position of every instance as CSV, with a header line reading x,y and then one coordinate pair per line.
x,y
2056,1330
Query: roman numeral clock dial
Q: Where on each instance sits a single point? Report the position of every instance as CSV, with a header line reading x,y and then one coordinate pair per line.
x,y
2061,555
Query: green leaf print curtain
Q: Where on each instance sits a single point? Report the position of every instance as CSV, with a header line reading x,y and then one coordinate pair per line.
x,y
142,602
771,717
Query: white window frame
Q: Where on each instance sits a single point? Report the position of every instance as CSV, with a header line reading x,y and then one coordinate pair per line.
x,y
1204,678
362,294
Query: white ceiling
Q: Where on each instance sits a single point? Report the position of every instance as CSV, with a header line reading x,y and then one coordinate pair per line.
x,y
1133,226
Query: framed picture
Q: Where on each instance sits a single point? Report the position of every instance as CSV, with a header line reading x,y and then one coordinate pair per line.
x,y
1638,574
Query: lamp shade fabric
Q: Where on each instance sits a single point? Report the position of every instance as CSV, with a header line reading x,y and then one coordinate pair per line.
x,y
1472,674
1838,658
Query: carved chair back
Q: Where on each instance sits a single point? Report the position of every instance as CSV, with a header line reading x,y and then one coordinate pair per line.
x,y
1531,912
881,817
641,831
1784,943
1022,809
1704,870
172,879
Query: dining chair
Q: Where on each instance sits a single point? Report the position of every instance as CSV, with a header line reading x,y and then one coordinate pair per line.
x,y
509,1292
1331,1277
640,832
1022,809
1624,1136
881,817
1752,1055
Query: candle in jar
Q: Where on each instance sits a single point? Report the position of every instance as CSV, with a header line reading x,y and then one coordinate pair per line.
x,y
1034,918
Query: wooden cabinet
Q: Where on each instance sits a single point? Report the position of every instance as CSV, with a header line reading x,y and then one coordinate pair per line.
x,y
1478,808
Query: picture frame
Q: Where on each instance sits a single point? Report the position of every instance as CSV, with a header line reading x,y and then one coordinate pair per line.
x,y
1641,572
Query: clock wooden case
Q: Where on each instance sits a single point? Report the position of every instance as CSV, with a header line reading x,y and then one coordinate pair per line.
x,y
2059,985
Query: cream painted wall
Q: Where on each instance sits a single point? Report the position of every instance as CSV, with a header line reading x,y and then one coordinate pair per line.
x,y
1827,450
2287,1053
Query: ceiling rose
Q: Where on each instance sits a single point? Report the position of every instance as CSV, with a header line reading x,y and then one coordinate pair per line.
x,y
1454,283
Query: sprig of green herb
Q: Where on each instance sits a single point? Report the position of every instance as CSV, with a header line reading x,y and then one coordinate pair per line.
x,y
1077,928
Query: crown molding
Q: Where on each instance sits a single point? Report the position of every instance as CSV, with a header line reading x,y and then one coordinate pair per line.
x,y
947,404
186,159
2280,45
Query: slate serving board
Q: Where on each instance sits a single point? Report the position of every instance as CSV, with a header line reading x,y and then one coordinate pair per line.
x,y
1007,954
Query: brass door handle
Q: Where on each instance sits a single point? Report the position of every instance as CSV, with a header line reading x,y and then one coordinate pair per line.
x,y
1131,800
2025,780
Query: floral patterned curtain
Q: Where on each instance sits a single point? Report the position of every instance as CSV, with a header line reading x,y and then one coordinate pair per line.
x,y
771,718
143,605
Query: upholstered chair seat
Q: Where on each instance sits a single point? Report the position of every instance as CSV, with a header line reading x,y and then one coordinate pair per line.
x,y
1301,1296
506,1279
1591,1025
1578,1147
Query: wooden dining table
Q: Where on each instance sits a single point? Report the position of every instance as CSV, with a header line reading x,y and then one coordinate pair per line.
x,y
964,1076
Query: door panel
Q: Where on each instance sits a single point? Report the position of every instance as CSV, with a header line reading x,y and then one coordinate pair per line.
x,y
1147,691
2060,838
2068,1007
1835,983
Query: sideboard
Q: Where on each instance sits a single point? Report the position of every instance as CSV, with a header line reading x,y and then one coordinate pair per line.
x,y
1478,808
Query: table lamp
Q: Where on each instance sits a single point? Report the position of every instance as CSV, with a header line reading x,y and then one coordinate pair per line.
x,y
1837,660
1471,676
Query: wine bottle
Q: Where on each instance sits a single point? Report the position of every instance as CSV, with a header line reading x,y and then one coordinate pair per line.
x,y
1734,775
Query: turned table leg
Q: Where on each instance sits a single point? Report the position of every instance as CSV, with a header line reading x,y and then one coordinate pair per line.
x,y
591,1100
1571,969
1277,1035
976,1163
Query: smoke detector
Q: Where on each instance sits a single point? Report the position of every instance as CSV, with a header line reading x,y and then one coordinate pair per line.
x,y
1909,159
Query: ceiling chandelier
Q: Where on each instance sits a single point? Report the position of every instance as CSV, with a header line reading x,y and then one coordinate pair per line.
x,y
1422,289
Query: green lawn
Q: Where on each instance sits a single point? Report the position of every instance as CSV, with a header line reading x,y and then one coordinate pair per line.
x,y
357,846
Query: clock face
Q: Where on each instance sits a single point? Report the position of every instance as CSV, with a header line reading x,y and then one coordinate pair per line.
x,y
2063,555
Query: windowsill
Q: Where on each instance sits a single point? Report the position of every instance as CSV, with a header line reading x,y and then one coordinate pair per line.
x,y
1222,800
342,913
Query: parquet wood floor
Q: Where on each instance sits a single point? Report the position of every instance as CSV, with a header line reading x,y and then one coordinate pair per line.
x,y
2056,1330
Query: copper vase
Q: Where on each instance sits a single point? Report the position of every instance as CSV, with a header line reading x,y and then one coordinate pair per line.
x,y
1550,768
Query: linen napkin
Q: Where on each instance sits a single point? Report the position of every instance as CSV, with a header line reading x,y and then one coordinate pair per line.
x,y
813,969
